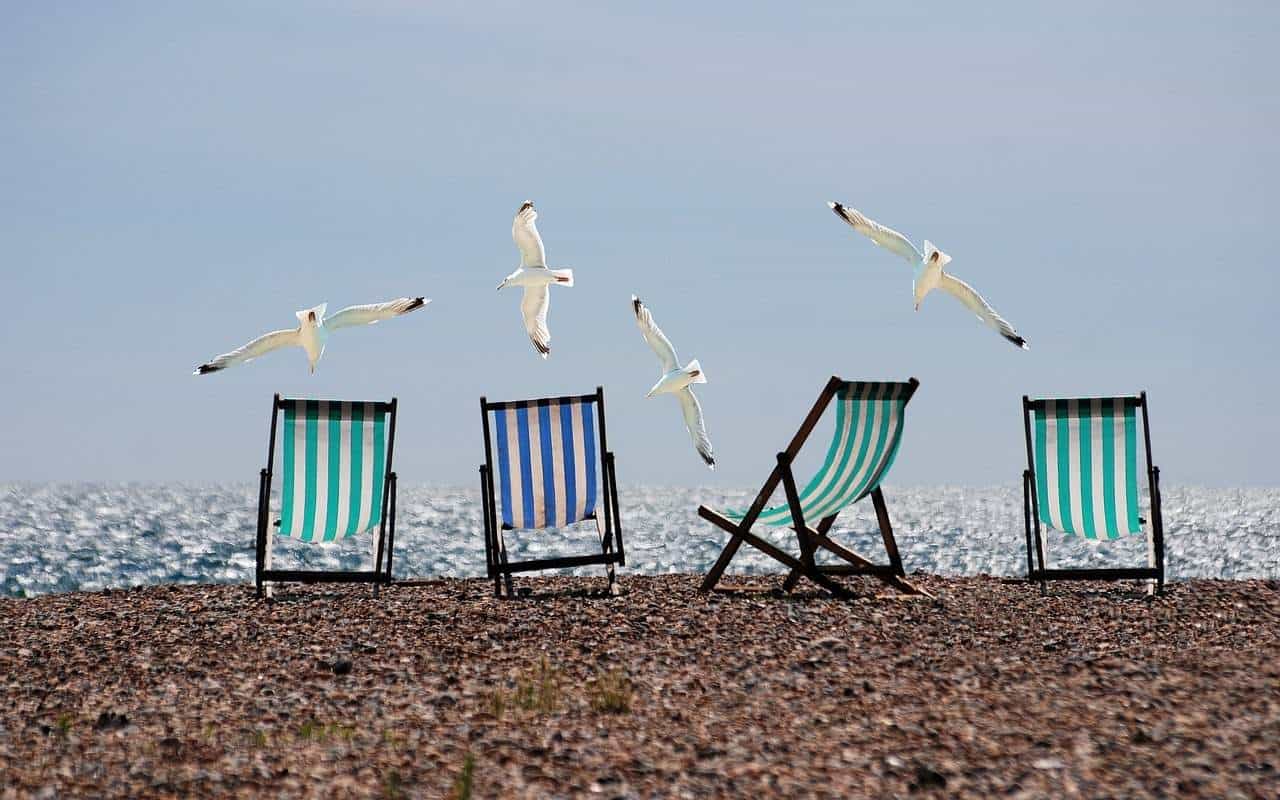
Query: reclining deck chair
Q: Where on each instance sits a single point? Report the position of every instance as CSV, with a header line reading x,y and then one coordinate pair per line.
x,y
547,464
337,482
1082,479
868,429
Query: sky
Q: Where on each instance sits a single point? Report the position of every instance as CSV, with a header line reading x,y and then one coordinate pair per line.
x,y
177,178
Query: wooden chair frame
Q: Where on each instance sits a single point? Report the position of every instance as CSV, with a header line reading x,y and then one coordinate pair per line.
x,y
498,567
810,538
380,574
1037,571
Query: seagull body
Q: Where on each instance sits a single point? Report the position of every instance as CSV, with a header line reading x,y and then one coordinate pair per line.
x,y
313,332
929,274
535,277
676,380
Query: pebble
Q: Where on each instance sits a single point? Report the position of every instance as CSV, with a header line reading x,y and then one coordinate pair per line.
x,y
993,691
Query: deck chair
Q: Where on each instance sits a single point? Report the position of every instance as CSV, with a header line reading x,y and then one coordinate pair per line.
x,y
551,473
1082,479
337,482
868,429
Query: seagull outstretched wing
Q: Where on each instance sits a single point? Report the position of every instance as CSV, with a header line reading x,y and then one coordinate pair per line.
x,y
525,234
263,344
975,303
887,238
374,312
533,308
655,337
696,425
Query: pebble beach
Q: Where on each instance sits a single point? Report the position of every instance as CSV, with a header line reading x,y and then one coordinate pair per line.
x,y
441,690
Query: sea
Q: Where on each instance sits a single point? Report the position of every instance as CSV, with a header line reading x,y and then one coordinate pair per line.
x,y
93,536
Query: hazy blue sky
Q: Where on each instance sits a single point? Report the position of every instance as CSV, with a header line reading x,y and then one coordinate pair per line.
x,y
177,180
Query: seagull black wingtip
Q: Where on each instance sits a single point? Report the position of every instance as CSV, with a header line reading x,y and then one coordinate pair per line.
x,y
1019,341
418,302
206,369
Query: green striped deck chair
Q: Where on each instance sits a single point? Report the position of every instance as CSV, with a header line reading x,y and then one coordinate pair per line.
x,y
1082,480
336,483
547,465
868,429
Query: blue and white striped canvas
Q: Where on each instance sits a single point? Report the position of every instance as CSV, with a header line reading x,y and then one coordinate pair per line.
x,y
546,462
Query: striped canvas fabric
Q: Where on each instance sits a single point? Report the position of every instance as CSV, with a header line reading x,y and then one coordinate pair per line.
x,y
869,420
546,462
1086,465
334,457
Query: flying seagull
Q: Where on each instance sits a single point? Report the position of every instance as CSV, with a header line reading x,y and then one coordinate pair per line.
x,y
928,270
535,277
313,331
676,380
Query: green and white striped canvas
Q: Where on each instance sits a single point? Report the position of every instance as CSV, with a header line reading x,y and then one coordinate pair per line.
x,y
334,457
1086,465
869,420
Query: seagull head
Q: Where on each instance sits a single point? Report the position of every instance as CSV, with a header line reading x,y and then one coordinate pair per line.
x,y
311,317
933,256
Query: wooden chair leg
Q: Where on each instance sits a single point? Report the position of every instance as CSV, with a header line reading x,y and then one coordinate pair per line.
x,y
506,575
262,565
267,587
726,555
606,547
886,531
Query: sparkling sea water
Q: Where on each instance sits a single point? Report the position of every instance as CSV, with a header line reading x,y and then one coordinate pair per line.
x,y
67,537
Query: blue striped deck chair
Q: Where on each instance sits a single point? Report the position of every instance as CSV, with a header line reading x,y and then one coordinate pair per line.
x,y
864,442
336,483
1082,480
547,465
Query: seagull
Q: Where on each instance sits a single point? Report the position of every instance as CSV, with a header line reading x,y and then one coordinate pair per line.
x,y
928,270
313,331
535,277
676,380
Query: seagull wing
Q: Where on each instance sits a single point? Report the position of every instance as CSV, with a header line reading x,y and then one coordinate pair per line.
x,y
696,425
975,303
525,234
374,312
533,307
263,344
655,337
887,238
